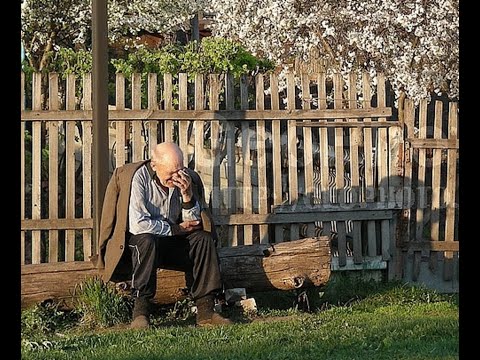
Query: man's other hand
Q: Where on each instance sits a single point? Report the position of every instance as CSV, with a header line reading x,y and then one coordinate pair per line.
x,y
186,227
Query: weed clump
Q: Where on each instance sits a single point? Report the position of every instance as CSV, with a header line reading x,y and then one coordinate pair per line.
x,y
101,304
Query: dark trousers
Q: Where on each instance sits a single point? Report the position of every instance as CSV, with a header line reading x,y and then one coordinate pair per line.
x,y
195,254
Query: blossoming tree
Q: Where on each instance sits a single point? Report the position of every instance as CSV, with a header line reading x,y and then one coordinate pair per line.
x,y
413,42
50,24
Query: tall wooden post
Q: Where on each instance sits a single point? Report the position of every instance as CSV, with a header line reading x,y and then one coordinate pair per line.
x,y
100,111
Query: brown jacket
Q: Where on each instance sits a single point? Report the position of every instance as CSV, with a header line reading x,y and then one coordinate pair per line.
x,y
113,262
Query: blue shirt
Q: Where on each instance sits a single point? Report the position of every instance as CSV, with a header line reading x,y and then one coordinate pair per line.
x,y
151,208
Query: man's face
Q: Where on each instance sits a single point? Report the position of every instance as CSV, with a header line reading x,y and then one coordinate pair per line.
x,y
166,172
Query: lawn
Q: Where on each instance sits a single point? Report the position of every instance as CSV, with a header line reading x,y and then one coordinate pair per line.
x,y
349,319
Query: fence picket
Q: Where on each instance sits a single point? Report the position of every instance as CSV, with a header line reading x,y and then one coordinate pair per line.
x,y
340,197
168,105
261,158
450,191
137,143
369,165
247,161
152,104
382,156
183,105
276,154
53,134
70,168
436,183
120,126
292,153
22,169
436,167
324,164
421,187
36,166
215,143
231,163
355,170
199,129
89,246
405,230
307,151
381,147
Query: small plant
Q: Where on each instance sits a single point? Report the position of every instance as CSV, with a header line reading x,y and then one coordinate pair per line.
x,y
182,310
101,304
44,318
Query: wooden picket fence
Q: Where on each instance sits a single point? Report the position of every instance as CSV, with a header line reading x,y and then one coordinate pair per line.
x,y
314,158
430,243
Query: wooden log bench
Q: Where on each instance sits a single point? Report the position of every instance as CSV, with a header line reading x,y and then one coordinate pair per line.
x,y
259,267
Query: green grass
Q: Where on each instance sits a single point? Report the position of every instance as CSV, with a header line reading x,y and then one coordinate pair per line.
x,y
100,304
386,321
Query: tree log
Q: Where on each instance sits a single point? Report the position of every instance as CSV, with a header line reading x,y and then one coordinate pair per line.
x,y
259,267
284,266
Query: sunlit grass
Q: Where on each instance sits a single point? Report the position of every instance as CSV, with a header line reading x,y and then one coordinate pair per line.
x,y
393,321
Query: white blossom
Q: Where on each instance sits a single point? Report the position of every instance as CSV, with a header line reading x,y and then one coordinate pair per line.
x,y
414,43
67,23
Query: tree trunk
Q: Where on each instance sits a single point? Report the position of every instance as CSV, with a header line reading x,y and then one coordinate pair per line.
x,y
260,267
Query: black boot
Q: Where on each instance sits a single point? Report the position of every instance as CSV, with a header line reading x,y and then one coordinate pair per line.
x,y
206,316
141,314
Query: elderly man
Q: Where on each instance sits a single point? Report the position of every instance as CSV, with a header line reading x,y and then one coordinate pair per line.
x,y
156,210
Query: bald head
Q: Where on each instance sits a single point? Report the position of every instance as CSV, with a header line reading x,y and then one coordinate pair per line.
x,y
168,154
167,160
